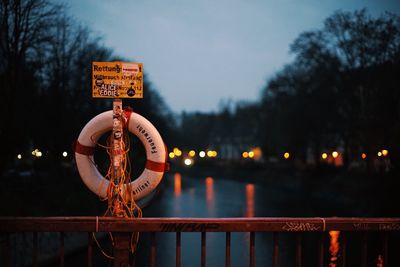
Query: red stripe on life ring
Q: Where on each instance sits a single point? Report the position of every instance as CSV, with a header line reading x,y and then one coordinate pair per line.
x,y
84,150
157,166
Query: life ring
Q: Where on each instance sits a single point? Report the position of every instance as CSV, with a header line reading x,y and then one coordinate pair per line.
x,y
136,124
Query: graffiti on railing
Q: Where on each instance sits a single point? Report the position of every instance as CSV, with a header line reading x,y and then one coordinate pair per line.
x,y
299,226
189,227
389,226
361,226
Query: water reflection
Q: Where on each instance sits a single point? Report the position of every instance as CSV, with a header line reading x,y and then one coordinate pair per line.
x,y
177,184
210,196
249,200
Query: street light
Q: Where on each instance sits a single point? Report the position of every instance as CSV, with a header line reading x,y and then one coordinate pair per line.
x,y
188,162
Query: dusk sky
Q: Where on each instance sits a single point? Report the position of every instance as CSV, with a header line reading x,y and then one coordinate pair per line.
x,y
199,52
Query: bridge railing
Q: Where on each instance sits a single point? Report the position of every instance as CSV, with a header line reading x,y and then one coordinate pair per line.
x,y
122,230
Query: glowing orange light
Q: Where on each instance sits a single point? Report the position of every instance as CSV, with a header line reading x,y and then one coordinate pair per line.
x,y
335,154
192,153
245,154
363,156
177,184
286,155
249,200
385,152
334,247
380,261
324,156
209,189
257,153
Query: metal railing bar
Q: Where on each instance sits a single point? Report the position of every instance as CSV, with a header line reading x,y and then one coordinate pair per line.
x,y
113,224
298,249
321,250
153,250
275,251
228,249
90,249
35,249
62,249
252,248
364,250
203,249
178,249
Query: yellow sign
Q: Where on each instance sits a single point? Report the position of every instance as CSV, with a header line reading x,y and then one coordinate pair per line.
x,y
117,79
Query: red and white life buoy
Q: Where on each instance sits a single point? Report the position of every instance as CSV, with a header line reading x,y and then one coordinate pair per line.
x,y
147,134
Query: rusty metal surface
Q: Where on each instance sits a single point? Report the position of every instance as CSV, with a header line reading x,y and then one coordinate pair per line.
x,y
113,224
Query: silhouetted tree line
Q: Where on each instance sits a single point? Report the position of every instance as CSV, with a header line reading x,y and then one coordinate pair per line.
x,y
340,91
45,79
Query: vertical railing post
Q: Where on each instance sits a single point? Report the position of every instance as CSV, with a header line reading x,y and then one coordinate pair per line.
x,y
344,249
61,249
275,252
6,250
178,249
228,250
364,249
203,249
35,250
298,250
321,250
122,243
90,249
153,250
252,249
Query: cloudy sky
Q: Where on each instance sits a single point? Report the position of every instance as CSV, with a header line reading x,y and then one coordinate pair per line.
x,y
199,52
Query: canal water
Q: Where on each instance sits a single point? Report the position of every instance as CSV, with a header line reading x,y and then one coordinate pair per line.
x,y
216,197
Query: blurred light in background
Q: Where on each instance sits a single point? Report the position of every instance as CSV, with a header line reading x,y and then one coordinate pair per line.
x,y
324,156
257,153
286,155
37,153
251,154
363,156
65,154
171,155
335,154
19,156
245,155
385,152
192,153
188,162
202,154
177,152
209,153
379,154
